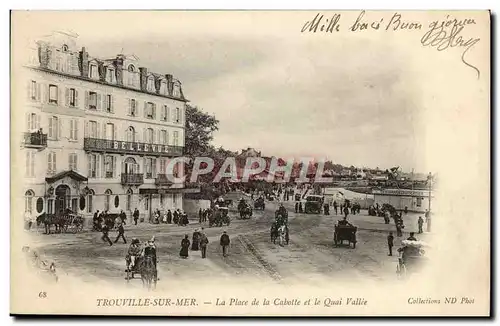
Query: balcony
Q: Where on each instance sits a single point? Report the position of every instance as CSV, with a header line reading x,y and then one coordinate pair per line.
x,y
125,147
162,180
132,179
35,140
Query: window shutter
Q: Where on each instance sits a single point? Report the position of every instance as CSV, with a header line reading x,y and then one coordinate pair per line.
x,y
60,98
51,127
98,131
38,92
70,161
67,97
154,138
104,135
144,169
76,129
159,137
28,122
99,102
38,124
145,109
28,89
115,132
98,166
76,98
86,129
145,134
153,168
154,111
45,93
54,164
59,128
130,106
49,163
112,104
168,113
89,164
86,99
114,167
105,101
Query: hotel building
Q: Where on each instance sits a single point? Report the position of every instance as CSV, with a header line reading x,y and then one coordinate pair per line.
x,y
98,133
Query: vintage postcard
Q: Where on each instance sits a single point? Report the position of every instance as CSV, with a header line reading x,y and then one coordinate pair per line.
x,y
250,163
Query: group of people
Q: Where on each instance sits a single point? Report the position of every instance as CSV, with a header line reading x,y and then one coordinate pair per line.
x,y
199,242
178,217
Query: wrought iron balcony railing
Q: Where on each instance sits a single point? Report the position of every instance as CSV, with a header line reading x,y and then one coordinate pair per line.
x,y
35,139
132,179
126,147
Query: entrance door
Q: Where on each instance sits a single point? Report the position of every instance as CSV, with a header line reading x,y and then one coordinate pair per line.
x,y
62,198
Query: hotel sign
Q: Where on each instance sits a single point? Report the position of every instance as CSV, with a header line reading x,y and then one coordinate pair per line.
x,y
118,146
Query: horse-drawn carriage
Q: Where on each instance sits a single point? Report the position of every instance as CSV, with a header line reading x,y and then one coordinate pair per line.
x,y
142,261
244,210
411,256
259,204
219,217
345,233
64,221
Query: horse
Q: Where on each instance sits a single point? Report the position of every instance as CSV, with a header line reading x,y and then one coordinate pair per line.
x,y
49,220
148,272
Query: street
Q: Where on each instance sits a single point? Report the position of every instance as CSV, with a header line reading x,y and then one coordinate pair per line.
x,y
309,258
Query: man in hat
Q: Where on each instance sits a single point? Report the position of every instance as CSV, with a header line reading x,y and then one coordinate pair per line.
x,y
412,237
136,215
224,242
390,242
133,252
121,233
105,237
150,251
203,243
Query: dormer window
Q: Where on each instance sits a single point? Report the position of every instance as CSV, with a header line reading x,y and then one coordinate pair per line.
x,y
163,88
93,73
131,80
151,85
64,48
177,90
131,68
110,76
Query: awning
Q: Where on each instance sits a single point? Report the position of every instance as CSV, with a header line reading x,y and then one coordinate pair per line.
x,y
72,174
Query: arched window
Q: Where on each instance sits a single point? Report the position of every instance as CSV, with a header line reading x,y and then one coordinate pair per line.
x,y
163,87
131,75
151,84
39,205
129,199
65,48
149,136
28,201
90,202
107,199
131,134
131,68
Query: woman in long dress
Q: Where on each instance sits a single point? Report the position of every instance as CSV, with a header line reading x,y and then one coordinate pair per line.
x,y
185,243
196,240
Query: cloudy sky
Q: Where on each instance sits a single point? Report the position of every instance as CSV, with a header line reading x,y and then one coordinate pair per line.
x,y
349,99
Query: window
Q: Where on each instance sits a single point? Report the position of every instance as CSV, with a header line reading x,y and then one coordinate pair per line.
x,y
54,128
174,197
177,115
74,204
131,75
131,134
129,200
93,72
149,110
51,163
28,201
109,166
50,206
150,85
110,75
92,166
73,129
163,88
73,164
150,167
33,88
92,129
419,201
164,113
39,205
176,138
33,122
71,96
93,100
53,94
109,103
110,131
163,166
65,48
177,90
107,199
30,164
163,137
90,198
133,107
149,136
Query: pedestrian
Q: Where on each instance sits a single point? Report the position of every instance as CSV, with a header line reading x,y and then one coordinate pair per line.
x,y
123,217
121,233
420,224
412,237
300,207
203,244
176,217
169,217
105,231
136,215
346,211
406,210
200,215
196,240
335,207
326,208
224,242
185,243
390,242
296,207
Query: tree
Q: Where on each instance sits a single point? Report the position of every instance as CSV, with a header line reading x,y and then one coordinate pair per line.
x,y
200,127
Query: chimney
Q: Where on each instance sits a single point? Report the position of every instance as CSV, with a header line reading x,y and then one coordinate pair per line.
x,y
119,70
83,63
170,84
143,78
44,53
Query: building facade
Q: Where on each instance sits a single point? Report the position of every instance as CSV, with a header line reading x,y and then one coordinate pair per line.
x,y
98,133
416,200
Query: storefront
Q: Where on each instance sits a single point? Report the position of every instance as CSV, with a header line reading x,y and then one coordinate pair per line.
x,y
415,200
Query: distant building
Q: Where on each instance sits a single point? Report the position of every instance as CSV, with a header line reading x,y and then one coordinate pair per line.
x,y
415,200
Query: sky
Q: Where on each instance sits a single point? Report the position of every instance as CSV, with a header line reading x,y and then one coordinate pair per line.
x,y
350,100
